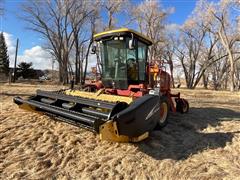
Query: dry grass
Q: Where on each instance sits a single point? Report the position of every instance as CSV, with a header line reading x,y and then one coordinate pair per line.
x,y
203,144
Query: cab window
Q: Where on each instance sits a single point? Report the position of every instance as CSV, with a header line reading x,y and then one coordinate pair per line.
x,y
142,58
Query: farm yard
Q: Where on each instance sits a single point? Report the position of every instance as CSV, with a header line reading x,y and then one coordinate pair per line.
x,y
115,67
203,144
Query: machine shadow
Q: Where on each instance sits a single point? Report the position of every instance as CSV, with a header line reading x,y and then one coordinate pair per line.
x,y
182,137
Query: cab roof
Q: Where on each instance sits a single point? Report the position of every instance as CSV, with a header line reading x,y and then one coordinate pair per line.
x,y
122,32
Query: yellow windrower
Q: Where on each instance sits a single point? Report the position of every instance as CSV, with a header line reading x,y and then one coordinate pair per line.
x,y
115,117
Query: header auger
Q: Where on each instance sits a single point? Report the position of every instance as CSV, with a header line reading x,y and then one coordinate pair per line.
x,y
132,97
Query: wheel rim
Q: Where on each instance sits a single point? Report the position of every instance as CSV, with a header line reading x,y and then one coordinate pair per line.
x,y
185,107
163,112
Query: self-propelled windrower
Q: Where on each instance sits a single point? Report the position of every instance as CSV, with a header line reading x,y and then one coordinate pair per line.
x,y
132,97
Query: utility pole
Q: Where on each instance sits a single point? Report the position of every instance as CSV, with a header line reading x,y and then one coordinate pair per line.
x,y
15,62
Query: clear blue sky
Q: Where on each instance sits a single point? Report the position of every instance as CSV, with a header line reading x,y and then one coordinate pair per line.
x,y
16,27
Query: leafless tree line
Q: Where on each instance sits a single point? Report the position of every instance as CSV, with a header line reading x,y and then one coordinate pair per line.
x,y
206,46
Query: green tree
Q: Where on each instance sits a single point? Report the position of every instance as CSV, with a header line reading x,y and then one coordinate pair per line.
x,y
4,59
25,70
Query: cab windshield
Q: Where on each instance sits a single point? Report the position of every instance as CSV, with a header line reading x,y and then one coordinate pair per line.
x,y
116,57
121,63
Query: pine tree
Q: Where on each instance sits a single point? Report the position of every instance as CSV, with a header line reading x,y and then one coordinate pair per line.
x,y
4,59
25,70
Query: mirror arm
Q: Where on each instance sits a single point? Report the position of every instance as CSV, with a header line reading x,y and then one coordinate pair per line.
x,y
131,42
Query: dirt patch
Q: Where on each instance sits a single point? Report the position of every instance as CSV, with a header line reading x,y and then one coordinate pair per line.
x,y
203,144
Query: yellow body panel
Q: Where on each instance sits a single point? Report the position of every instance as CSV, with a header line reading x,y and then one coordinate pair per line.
x,y
123,30
108,131
99,96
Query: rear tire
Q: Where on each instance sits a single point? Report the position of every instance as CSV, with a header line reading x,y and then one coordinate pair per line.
x,y
182,105
164,111
185,106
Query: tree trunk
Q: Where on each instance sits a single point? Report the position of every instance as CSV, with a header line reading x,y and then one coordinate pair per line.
x,y
226,81
64,73
232,84
60,73
171,72
172,79
77,77
230,58
205,81
86,60
81,68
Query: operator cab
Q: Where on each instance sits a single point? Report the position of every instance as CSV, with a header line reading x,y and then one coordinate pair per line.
x,y
123,57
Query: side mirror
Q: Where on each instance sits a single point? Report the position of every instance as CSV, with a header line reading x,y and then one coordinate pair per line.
x,y
131,44
94,48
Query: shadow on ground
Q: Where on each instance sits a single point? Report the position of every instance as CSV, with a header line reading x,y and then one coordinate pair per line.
x,y
182,137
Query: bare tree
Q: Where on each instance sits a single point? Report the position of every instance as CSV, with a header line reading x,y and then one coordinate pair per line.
x,y
113,7
63,24
196,46
169,51
238,74
150,17
151,20
93,31
79,18
49,18
188,53
226,32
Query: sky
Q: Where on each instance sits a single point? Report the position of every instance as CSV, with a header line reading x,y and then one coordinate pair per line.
x,y
30,43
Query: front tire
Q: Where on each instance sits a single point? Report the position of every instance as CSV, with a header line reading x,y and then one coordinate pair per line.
x,y
164,111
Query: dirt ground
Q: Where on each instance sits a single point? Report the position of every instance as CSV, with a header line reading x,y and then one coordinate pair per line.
x,y
203,144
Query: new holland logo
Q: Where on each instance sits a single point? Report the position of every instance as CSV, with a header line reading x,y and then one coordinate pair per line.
x,y
153,111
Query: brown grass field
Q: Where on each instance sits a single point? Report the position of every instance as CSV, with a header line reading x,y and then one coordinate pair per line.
x,y
203,144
